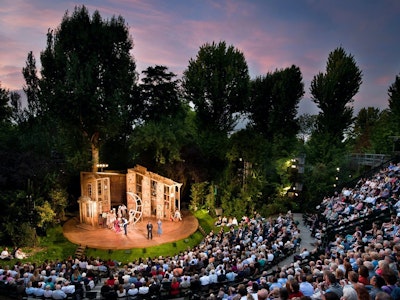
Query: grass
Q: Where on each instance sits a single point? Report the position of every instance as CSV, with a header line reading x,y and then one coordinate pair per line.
x,y
56,246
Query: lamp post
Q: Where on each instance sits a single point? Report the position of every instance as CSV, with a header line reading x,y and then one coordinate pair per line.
x,y
102,166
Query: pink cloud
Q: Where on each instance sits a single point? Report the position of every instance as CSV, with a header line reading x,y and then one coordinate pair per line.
x,y
385,80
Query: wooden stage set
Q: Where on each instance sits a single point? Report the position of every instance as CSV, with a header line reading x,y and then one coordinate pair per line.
x,y
104,238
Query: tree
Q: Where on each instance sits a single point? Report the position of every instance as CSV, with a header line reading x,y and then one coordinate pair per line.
x,y
307,126
217,83
274,101
394,102
5,108
159,93
31,88
333,93
88,78
364,125
383,135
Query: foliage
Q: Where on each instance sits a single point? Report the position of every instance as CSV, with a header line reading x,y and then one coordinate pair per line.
x,y
364,125
333,91
5,108
14,218
394,103
156,143
46,214
210,201
199,192
383,130
31,88
319,181
280,204
217,83
274,101
205,220
59,197
159,93
24,235
307,126
88,77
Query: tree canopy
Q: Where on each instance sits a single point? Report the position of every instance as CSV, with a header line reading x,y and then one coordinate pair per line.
x,y
159,94
217,83
394,102
274,100
88,76
333,92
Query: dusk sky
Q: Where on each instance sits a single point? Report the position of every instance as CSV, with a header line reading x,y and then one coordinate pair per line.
x,y
272,34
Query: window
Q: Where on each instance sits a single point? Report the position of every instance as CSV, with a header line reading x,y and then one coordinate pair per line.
x,y
99,189
139,179
89,190
166,197
153,188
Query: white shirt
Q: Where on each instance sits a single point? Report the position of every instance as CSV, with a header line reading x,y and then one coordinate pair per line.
x,y
205,280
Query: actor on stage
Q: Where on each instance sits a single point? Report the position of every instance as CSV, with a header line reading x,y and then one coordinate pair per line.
x,y
116,226
159,227
125,225
149,231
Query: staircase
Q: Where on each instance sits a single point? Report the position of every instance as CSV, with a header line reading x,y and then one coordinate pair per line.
x,y
203,232
80,251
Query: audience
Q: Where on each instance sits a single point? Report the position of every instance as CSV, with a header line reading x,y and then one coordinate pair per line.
x,y
362,264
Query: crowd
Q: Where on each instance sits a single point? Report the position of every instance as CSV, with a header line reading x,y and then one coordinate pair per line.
x,y
236,263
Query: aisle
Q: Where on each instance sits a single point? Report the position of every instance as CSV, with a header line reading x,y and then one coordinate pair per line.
x,y
306,239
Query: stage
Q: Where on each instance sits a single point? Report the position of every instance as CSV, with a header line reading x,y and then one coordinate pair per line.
x,y
104,238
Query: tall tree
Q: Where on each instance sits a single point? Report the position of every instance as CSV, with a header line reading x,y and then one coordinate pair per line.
x,y
88,77
31,88
217,83
274,102
333,92
16,107
159,92
5,108
394,102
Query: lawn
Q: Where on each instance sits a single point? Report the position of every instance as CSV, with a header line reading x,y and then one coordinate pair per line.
x,y
55,246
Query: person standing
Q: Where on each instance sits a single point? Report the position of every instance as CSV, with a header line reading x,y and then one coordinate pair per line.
x,y
117,228
159,227
149,231
125,223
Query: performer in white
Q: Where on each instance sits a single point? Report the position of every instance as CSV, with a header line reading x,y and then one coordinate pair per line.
x,y
131,217
123,210
178,216
112,218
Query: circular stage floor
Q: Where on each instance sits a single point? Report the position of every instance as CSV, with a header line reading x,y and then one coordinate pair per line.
x,y
103,238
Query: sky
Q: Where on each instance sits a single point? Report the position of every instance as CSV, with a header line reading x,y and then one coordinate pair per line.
x,y
272,34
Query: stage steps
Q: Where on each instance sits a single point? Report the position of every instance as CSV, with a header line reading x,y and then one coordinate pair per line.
x,y
80,251
203,232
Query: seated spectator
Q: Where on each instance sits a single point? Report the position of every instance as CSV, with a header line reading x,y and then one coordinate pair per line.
x,y
121,292
39,291
105,289
68,288
5,254
174,289
47,292
132,291
19,254
58,293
